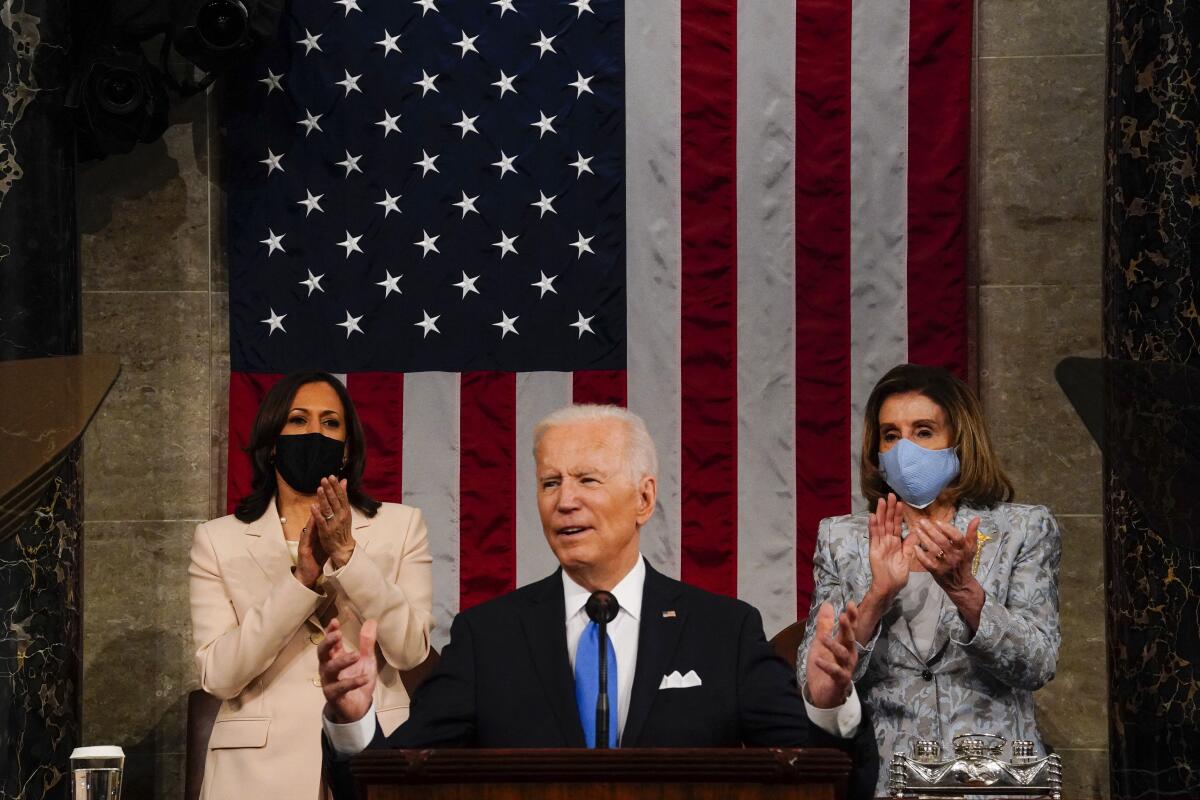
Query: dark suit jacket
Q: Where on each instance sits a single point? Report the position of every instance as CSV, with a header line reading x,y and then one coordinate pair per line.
x,y
505,680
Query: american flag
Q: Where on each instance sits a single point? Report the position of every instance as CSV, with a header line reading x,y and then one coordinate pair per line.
x,y
731,217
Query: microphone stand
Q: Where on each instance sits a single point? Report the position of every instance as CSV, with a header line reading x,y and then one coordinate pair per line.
x,y
602,608
602,698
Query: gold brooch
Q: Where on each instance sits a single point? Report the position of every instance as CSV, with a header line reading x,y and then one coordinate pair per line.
x,y
980,539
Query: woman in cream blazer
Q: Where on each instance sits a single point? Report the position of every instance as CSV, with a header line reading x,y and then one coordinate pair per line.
x,y
263,589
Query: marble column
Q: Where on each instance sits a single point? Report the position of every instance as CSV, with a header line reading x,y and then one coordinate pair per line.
x,y
1152,251
39,316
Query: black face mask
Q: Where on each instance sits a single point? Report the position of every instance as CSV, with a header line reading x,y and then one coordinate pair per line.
x,y
303,459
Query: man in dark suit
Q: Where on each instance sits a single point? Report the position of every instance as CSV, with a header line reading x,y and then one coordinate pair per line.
x,y
687,668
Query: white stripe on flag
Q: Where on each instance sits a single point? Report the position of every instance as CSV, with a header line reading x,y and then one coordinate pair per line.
x,y
766,289
430,473
652,225
878,202
538,393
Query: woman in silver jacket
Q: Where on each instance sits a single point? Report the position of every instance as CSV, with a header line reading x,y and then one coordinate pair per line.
x,y
957,588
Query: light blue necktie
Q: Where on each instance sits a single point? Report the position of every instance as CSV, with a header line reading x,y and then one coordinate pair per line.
x,y
587,684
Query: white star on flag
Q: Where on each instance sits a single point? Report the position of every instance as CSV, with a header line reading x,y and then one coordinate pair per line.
x,y
582,324
313,283
467,124
389,203
388,43
467,285
543,124
505,244
428,323
350,164
506,325
310,122
543,44
273,242
426,6
351,324
467,44
581,84
276,322
583,245
351,244
505,6
467,204
390,284
546,284
349,5
349,83
388,123
426,83
426,163
581,6
581,164
311,203
544,204
505,164
427,243
273,81
506,83
310,42
273,162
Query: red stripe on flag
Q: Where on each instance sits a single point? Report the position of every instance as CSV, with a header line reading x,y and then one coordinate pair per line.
x,y
487,486
379,400
939,134
246,391
599,386
708,327
822,275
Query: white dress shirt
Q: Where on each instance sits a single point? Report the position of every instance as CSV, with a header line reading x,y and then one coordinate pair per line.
x,y
352,738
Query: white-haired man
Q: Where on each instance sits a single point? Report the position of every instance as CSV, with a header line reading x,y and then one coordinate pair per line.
x,y
687,668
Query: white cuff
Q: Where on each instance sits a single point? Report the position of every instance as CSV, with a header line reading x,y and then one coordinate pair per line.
x,y
841,721
351,738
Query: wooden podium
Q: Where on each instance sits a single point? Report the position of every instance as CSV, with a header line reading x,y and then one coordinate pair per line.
x,y
576,774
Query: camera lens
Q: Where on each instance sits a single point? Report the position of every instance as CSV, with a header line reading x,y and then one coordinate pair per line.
x,y
119,90
222,24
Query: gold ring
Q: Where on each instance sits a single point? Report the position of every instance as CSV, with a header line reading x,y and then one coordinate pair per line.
x,y
328,517
941,554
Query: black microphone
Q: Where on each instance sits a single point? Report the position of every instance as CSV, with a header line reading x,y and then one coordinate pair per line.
x,y
602,609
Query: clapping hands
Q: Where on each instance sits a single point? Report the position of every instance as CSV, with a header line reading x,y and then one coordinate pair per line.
x,y
890,554
832,657
347,676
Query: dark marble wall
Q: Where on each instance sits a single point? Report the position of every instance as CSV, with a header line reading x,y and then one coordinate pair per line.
x,y
40,664
39,281
1152,249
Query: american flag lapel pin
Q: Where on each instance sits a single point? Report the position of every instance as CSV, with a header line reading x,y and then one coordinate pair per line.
x,y
669,614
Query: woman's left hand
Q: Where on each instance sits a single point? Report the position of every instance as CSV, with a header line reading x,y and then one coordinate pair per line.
x,y
948,554
333,519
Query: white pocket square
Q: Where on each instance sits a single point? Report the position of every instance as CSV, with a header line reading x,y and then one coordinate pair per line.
x,y
677,681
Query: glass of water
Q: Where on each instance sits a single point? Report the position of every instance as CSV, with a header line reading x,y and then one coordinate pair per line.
x,y
96,773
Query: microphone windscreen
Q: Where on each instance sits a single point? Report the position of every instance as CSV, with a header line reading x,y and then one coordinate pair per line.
x,y
602,607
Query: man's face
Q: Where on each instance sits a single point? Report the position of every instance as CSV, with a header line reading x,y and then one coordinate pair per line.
x,y
591,508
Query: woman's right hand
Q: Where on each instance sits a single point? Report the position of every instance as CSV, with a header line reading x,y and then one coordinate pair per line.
x,y
889,558
311,556
889,566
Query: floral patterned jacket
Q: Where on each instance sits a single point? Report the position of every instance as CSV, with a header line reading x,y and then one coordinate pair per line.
x,y
970,684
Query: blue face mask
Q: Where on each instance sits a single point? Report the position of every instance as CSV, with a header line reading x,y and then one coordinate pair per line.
x,y
916,474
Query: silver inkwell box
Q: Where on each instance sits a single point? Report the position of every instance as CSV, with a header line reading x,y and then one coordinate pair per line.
x,y
977,768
